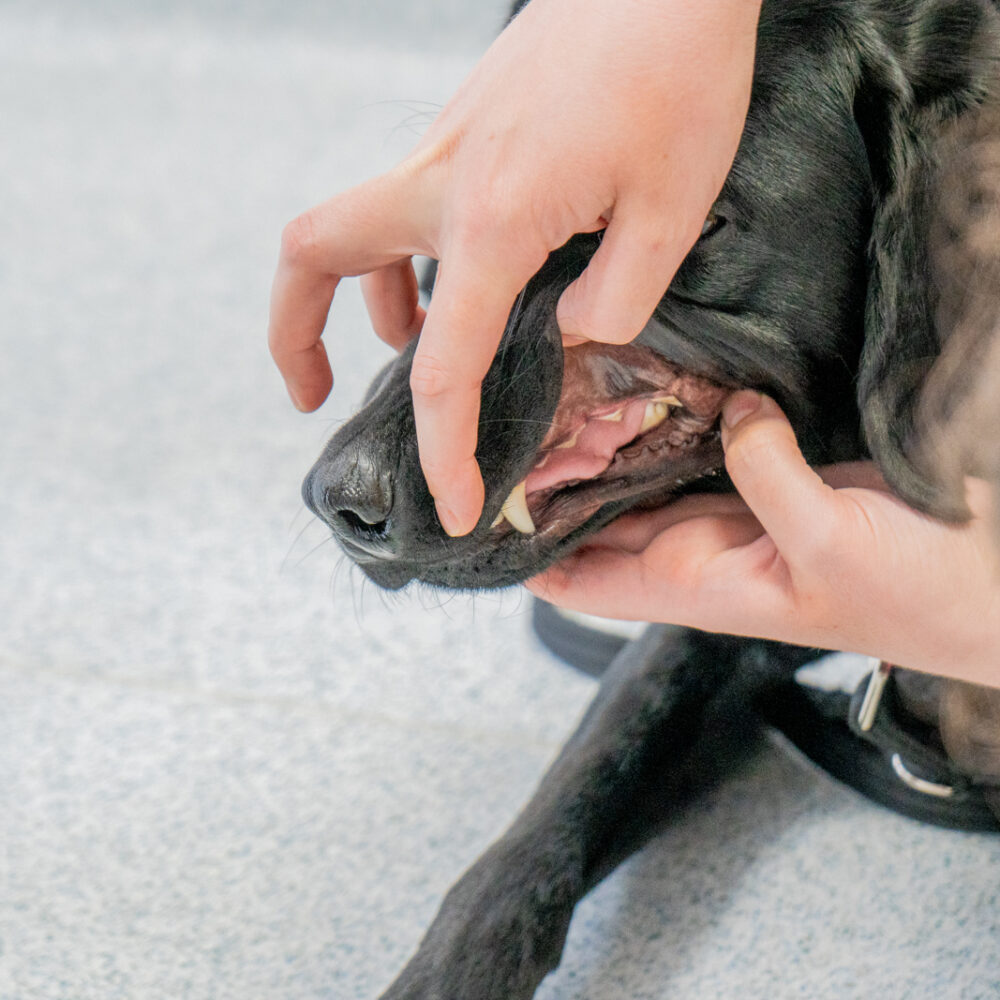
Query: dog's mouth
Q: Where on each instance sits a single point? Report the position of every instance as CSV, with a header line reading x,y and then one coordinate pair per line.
x,y
629,424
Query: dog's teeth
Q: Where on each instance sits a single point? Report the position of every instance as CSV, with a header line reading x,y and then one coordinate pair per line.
x,y
656,412
615,417
569,442
498,520
515,509
669,400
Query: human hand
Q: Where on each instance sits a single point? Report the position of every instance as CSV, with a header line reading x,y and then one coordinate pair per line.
x,y
583,115
828,558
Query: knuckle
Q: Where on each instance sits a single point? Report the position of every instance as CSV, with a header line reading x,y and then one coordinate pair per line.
x,y
429,377
494,225
276,345
299,240
479,226
438,473
751,449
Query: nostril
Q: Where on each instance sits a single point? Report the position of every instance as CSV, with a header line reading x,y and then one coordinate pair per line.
x,y
353,494
361,526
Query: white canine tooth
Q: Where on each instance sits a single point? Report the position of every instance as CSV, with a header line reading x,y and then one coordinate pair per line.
x,y
656,412
569,442
615,417
515,509
498,520
669,400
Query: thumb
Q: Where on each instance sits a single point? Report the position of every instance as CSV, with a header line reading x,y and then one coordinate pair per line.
x,y
767,468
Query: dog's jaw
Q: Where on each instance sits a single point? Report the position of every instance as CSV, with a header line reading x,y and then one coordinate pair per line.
x,y
628,422
656,423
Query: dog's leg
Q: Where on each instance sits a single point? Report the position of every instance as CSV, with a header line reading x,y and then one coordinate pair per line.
x,y
663,724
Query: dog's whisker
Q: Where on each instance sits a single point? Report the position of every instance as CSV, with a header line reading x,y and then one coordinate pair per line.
x,y
523,368
300,510
326,540
295,542
338,570
410,124
358,596
330,426
406,103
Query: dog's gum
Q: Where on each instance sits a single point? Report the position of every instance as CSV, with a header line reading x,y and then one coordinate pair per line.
x,y
599,378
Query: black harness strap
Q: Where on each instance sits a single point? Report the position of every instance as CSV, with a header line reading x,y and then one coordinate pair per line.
x,y
894,760
866,740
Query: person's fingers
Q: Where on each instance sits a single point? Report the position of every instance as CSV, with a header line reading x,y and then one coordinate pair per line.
x,y
796,508
299,307
392,296
596,581
368,227
464,324
633,532
627,276
660,582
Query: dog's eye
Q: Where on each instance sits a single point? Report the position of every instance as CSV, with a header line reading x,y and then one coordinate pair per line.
x,y
712,223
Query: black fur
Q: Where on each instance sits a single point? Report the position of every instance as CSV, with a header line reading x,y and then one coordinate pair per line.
x,y
816,290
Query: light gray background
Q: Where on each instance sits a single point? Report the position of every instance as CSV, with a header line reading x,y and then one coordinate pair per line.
x,y
229,768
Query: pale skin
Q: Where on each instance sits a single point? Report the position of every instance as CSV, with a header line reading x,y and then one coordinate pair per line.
x,y
826,558
533,148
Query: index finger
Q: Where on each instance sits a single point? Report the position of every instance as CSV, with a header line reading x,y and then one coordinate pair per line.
x,y
473,297
355,232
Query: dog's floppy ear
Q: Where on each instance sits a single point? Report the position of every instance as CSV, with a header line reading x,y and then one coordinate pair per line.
x,y
922,67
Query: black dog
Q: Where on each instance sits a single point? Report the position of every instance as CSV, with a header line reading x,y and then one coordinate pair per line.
x,y
811,283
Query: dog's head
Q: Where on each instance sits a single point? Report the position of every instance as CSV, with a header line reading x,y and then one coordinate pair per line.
x,y
809,283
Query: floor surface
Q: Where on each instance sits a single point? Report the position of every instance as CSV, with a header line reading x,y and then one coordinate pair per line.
x,y
229,768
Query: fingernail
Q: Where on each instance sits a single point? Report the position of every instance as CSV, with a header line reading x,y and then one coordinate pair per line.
x,y
739,406
449,520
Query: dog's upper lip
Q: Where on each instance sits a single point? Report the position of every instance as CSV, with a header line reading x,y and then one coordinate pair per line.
x,y
360,552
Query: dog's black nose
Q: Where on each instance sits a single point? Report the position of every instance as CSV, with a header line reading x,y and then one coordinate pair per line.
x,y
353,495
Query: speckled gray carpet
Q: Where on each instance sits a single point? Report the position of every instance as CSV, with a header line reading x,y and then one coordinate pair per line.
x,y
228,768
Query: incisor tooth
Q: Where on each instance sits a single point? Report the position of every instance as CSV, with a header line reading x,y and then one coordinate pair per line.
x,y
654,415
515,509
